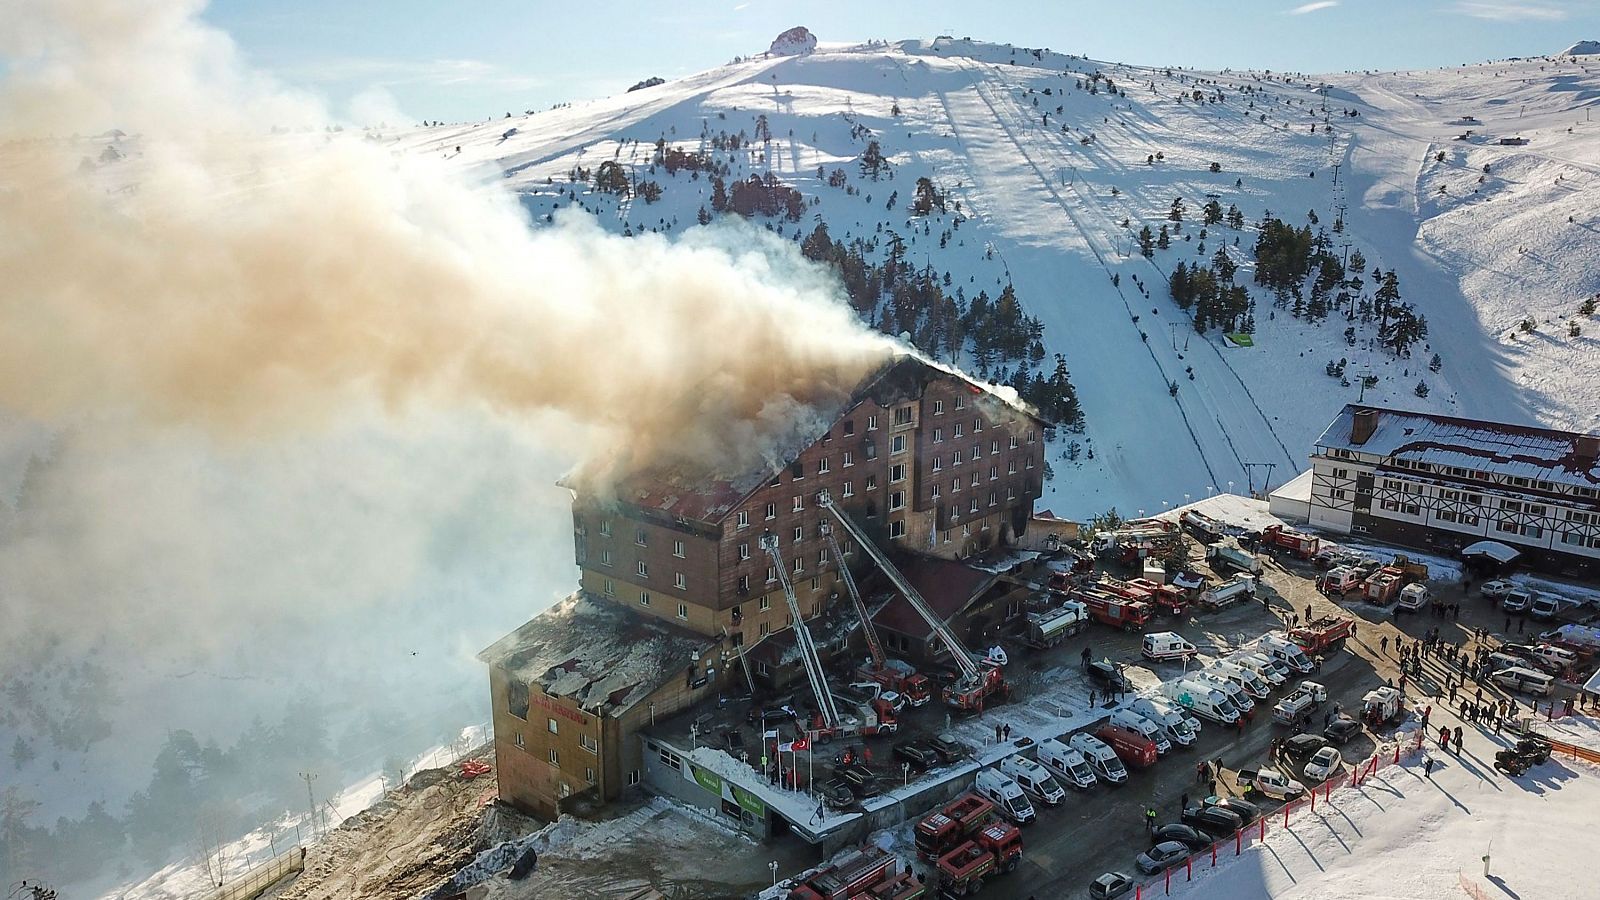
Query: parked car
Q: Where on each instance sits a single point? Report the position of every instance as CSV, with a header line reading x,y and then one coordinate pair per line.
x,y
1108,675
1517,600
1303,746
1246,811
861,783
1160,856
1213,820
836,793
1322,764
920,755
1341,730
948,748
1545,607
1110,886
1188,835
1494,590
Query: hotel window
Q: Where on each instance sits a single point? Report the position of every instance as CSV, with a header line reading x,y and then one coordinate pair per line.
x,y
609,588
938,407
799,533
797,470
1031,436
799,565
849,459
680,581
897,444
994,473
955,458
902,416
744,550
1011,467
1011,493
937,492
644,598
961,402
633,778
955,485
683,610
643,568
605,556
870,449
772,574
975,477
744,584
849,427
897,472
977,452
897,500
744,518
849,489
640,538
938,463
1014,442
994,447
973,506
605,528
938,435
677,549
587,743
799,503
766,603
1029,463
518,737
897,529
822,466
872,423
822,557
955,431
977,425
555,758
554,728
872,482
762,629
588,774
772,511
993,499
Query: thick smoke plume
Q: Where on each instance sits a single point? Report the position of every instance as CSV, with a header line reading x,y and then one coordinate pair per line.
x,y
206,272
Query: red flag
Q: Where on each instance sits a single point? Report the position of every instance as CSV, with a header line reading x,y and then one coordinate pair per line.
x,y
799,744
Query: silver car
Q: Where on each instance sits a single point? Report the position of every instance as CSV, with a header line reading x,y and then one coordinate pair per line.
x,y
1160,856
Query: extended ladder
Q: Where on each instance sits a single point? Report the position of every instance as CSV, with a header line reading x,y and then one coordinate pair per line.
x,y
873,644
802,634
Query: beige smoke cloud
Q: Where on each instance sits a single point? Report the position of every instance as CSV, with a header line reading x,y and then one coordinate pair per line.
x,y
253,282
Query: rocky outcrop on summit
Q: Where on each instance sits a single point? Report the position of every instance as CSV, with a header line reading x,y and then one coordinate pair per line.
x,y
797,41
1583,48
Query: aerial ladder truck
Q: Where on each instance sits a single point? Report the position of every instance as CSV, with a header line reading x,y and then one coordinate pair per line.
x,y
893,674
974,687
876,718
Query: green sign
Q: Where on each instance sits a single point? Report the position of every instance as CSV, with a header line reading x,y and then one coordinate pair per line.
x,y
708,780
1242,339
748,800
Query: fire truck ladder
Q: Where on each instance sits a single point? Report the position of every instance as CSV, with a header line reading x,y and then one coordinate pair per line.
x,y
802,634
879,660
969,669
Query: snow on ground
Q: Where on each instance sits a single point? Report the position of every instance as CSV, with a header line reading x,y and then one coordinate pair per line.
x,y
1580,731
1402,834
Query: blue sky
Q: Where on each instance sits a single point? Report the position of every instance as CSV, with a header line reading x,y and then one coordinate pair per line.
x,y
462,61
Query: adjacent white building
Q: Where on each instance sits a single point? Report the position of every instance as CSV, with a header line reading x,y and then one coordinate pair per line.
x,y
1441,483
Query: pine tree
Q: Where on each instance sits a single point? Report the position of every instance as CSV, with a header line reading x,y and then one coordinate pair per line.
x,y
703,217
1163,240
719,194
1147,242
873,163
1436,363
1176,213
1421,390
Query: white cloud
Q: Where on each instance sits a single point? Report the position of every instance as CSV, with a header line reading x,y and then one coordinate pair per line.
x,y
379,71
1313,7
1500,11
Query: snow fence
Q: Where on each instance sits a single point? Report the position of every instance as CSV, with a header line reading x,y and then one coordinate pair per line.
x,y
1385,755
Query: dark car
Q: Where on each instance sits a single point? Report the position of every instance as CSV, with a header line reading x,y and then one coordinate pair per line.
x,y
1160,856
1108,676
862,783
1188,835
1213,820
947,749
1341,730
918,754
775,713
836,793
1109,886
1246,811
1302,746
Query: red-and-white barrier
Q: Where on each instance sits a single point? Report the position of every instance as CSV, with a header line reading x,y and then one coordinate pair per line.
x,y
1384,756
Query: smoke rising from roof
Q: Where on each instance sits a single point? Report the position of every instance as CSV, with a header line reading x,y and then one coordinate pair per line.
x,y
275,381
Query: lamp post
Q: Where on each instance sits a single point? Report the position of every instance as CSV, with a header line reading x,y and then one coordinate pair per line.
x,y
773,866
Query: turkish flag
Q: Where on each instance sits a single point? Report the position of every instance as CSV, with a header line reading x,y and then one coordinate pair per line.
x,y
800,744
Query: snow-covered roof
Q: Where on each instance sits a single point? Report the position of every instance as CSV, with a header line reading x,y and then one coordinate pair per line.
x,y
603,655
1540,454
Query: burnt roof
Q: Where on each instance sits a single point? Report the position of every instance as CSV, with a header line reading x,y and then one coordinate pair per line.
x,y
1525,451
948,587
709,498
601,654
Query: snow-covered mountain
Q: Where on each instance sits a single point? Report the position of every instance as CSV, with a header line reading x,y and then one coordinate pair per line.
x,y
1460,182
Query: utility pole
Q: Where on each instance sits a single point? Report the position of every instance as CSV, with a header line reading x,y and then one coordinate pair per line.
x,y
1249,470
311,803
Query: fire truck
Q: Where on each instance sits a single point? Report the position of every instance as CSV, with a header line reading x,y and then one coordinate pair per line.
x,y
994,850
866,873
1168,599
1321,635
940,832
897,675
1118,612
1382,586
1297,543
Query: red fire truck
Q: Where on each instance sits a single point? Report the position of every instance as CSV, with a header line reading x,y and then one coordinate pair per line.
x,y
1131,747
1298,543
940,832
994,850
1322,634
1118,612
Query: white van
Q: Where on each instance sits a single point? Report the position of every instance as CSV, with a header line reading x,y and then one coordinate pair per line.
x,y
1501,661
1203,699
1556,656
1127,718
1525,680
1253,684
1288,652
1260,665
1101,758
1005,794
1231,689
1034,779
1066,763
1413,598
1182,730
1165,645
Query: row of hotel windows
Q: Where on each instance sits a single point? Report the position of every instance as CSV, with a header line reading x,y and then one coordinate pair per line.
x,y
1472,474
1507,508
646,599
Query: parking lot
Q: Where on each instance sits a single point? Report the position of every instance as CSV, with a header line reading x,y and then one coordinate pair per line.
x,y
1103,828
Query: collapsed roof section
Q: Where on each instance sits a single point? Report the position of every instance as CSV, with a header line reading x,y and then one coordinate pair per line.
x,y
602,655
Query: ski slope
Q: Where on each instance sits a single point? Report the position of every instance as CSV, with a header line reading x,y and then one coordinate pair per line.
x,y
1044,210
